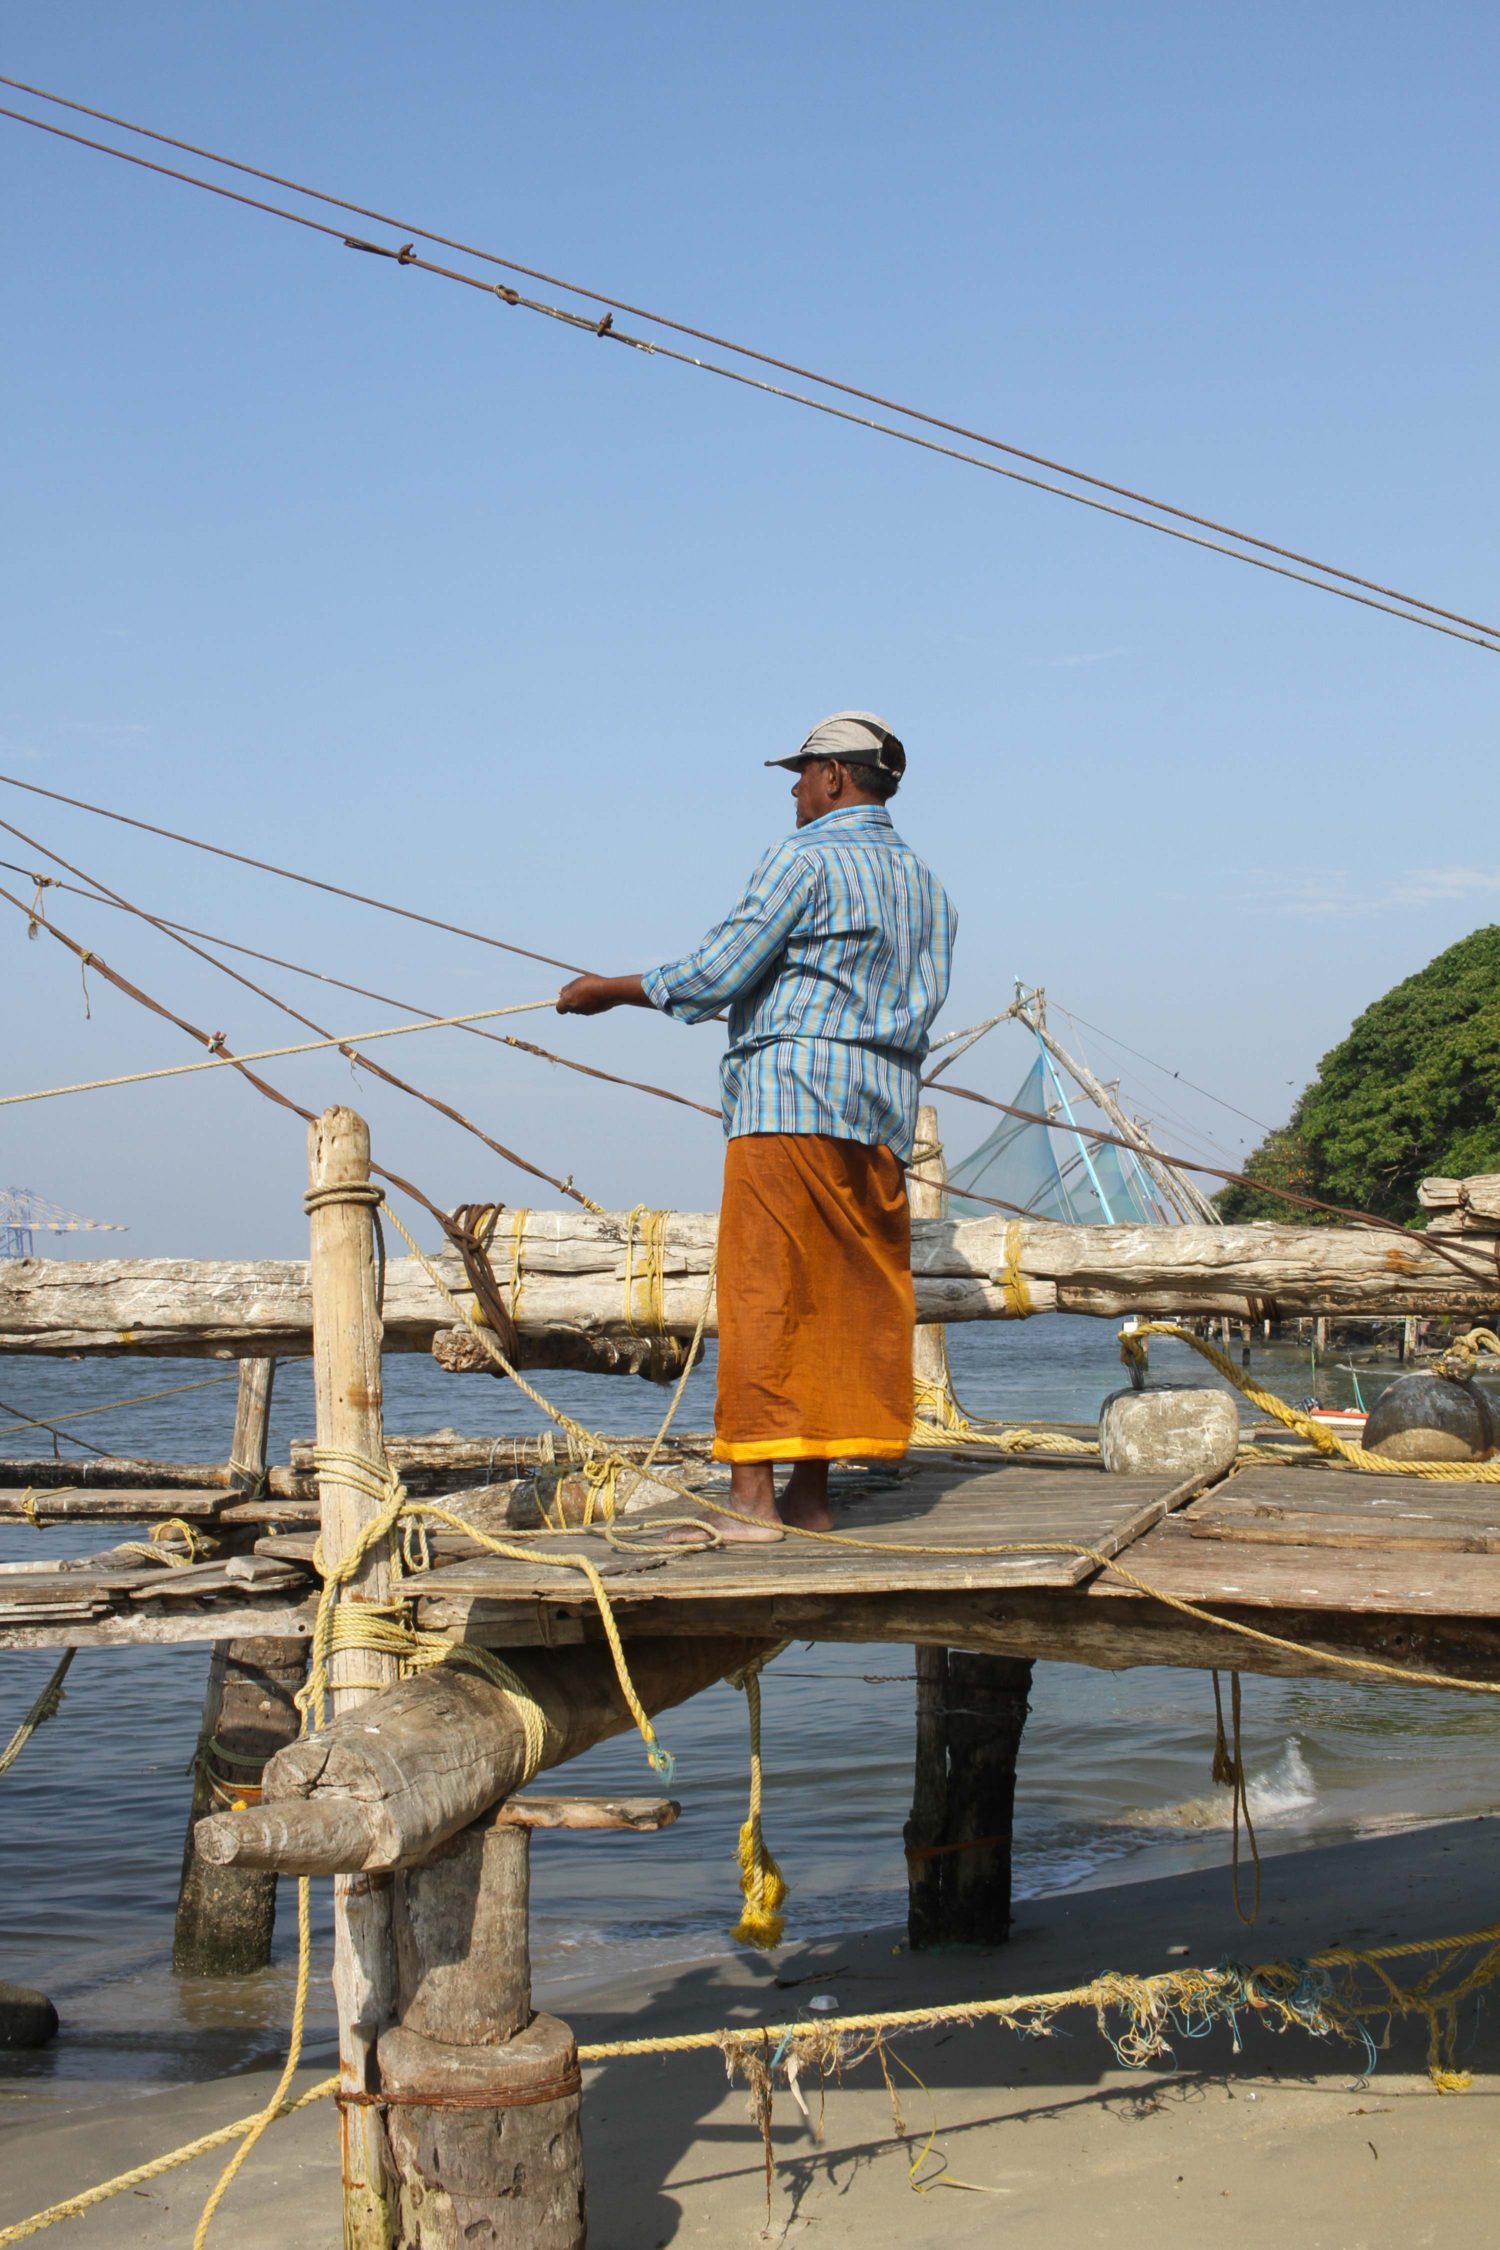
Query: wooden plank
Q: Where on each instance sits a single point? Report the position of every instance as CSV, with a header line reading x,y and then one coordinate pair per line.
x,y
30,1504
928,1533
138,1626
1257,1481
1327,1529
1172,1560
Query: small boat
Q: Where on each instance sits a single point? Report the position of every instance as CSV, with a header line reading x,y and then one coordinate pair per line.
x,y
1346,1421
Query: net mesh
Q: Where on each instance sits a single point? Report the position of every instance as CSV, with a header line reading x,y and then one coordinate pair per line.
x,y
1047,1174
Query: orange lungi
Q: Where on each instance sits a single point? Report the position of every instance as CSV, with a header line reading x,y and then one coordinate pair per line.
x,y
815,1301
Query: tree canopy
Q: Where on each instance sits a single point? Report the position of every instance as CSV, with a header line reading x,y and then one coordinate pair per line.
x,y
1414,1089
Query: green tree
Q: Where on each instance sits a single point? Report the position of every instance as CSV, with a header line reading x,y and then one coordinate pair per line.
x,y
1414,1089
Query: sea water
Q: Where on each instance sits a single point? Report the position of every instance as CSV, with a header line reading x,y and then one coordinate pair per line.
x,y
1114,1781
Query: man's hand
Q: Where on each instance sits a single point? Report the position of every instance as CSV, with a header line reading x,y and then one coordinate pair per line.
x,y
594,996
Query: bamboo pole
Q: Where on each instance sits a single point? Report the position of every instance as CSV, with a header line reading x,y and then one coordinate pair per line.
x,y
346,1383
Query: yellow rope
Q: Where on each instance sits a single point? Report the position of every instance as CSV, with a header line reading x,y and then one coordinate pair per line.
x,y
1148,2002
272,1054
761,1881
1133,1353
156,1550
939,1420
365,1626
45,1707
1010,1277
652,1226
518,1221
277,2105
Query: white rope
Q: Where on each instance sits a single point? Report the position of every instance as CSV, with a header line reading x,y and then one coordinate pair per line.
x,y
271,1054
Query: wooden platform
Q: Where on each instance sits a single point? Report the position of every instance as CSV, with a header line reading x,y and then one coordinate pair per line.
x,y
1332,1558
927,1532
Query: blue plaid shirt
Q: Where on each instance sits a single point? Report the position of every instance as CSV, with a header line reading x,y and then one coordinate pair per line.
x,y
832,966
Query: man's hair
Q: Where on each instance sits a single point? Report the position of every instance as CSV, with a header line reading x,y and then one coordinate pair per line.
x,y
874,780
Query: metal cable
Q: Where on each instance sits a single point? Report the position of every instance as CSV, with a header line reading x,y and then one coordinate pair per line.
x,y
1415,613
364,991
743,351
297,1015
290,875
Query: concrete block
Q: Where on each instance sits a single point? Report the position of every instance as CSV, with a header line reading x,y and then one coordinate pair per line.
x,y
1176,1430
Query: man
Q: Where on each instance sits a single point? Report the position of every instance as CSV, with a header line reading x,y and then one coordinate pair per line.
x,y
832,967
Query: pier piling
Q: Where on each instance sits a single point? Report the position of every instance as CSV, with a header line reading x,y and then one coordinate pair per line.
x,y
970,1713
226,1915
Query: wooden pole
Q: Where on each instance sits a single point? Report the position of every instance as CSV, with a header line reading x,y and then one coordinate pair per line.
x,y
347,1339
226,1916
483,2095
970,1713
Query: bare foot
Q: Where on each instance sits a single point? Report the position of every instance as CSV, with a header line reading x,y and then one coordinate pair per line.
x,y
804,1504
752,1496
749,1525
808,1515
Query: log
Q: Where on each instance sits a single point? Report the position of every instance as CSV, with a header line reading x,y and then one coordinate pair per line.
x,y
481,2096
367,1795
484,2141
345,1297
1110,1630
1478,1195
209,1480
576,1270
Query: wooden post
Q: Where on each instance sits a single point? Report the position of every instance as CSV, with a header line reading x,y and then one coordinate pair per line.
x,y
928,1822
929,1364
492,2158
970,1713
226,1915
347,1339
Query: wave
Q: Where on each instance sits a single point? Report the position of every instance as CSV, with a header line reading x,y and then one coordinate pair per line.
x,y
1279,1795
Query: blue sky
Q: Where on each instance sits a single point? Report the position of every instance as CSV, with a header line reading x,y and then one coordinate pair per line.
x,y
357,570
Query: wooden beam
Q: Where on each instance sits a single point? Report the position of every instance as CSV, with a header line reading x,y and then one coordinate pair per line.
x,y
575,1275
357,1797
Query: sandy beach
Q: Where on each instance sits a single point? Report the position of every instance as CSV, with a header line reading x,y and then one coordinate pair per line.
x,y
1045,2141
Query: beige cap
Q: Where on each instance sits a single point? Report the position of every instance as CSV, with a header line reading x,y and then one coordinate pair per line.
x,y
855,738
